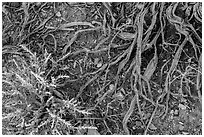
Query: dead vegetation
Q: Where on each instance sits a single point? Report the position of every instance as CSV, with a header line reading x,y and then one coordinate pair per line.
x,y
101,68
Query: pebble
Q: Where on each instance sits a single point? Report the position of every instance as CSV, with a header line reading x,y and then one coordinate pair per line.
x,y
160,91
97,62
183,100
176,112
111,86
189,60
180,122
172,112
181,106
119,96
58,14
181,127
99,65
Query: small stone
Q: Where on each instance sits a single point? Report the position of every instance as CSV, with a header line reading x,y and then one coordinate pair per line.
x,y
191,118
111,87
183,100
172,112
146,115
181,127
181,106
90,3
128,21
99,65
176,112
58,14
189,60
138,123
96,60
160,91
122,90
180,122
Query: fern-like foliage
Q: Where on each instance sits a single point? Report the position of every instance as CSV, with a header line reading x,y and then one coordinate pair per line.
x,y
29,103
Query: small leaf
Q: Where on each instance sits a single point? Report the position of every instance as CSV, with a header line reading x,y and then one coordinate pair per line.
x,y
111,87
152,126
127,35
185,133
151,67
